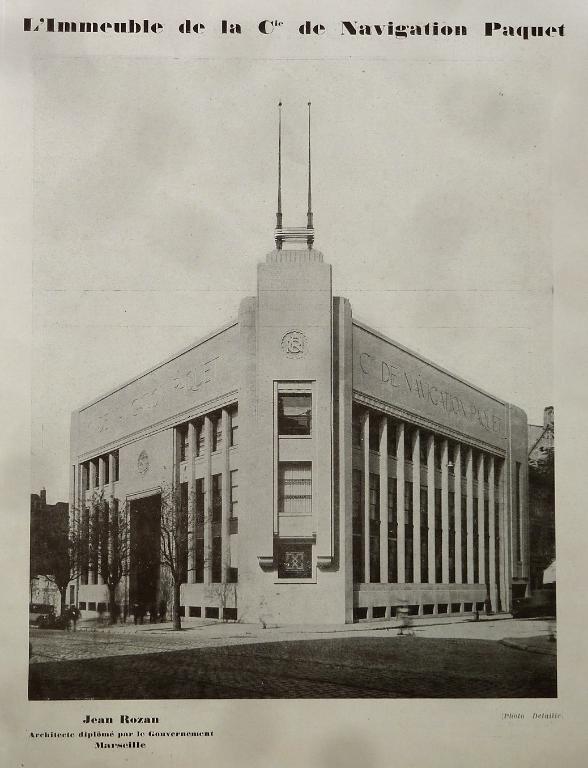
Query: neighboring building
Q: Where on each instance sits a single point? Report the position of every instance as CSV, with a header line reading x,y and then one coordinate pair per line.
x,y
541,497
47,521
329,474
43,590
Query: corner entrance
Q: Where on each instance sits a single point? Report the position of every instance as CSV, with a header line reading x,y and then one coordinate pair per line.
x,y
145,531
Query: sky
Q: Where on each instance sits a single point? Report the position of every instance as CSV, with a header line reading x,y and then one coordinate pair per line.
x,y
155,192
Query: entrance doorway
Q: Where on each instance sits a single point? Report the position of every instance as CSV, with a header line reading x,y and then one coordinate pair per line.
x,y
145,530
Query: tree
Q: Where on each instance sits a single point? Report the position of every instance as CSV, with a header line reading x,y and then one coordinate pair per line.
x,y
109,545
542,511
174,543
56,552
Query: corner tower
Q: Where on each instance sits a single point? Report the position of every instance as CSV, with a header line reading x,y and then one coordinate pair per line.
x,y
288,563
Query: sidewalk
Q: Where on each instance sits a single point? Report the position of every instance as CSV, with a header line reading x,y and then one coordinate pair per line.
x,y
238,629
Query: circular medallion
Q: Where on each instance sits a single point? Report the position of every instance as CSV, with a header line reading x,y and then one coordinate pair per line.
x,y
294,343
143,463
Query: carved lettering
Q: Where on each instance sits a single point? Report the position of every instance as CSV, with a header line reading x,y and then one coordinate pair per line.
x,y
394,375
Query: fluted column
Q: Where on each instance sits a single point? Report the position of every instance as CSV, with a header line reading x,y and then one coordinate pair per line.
x,y
400,502
208,500
384,499
445,513
492,534
470,513
191,503
365,431
416,506
226,499
457,504
481,526
431,523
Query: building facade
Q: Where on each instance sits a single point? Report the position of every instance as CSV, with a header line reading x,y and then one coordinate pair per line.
x,y
328,474
48,547
541,497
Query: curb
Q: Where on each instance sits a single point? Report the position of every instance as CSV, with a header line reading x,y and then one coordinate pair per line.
x,y
522,646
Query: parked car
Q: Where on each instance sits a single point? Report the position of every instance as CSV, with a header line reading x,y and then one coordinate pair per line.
x,y
40,613
540,603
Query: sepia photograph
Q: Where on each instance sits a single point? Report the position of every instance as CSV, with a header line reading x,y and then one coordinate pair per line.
x,y
292,300
293,432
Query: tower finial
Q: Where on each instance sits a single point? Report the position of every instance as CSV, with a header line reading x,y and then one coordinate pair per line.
x,y
279,211
309,212
293,234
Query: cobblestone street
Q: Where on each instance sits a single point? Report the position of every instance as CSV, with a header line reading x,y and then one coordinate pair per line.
x,y
231,661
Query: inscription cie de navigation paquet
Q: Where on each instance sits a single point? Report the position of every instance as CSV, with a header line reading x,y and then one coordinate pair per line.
x,y
395,376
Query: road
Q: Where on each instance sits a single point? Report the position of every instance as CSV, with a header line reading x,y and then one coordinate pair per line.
x,y
162,664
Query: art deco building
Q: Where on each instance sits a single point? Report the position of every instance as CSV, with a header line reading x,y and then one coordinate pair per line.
x,y
329,474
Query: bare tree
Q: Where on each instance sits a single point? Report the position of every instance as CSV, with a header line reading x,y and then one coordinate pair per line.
x,y
174,543
109,545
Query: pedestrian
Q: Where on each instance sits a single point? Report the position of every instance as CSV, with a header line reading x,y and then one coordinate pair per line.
x,y
136,613
162,610
74,614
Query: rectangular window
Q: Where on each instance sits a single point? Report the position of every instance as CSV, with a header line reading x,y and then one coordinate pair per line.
x,y
199,501
408,532
464,540
408,434
183,441
357,526
294,413
200,438
217,554
391,438
234,493
294,559
423,449
116,466
374,527
217,498
106,461
183,534
295,488
96,465
438,453
392,532
451,458
217,432
487,541
374,432
199,560
424,521
356,427
451,536
374,497
233,426
438,537
497,551
475,535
